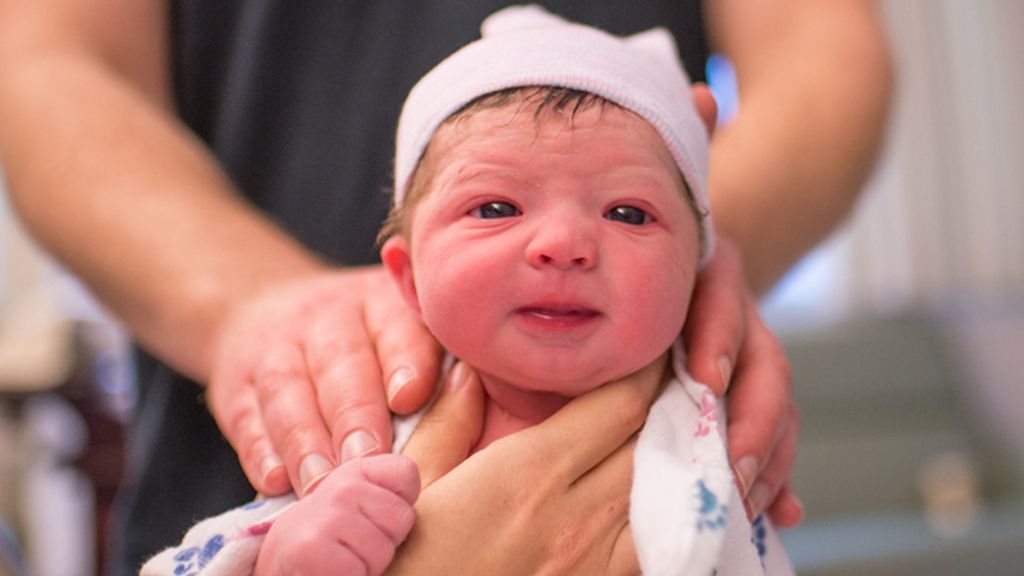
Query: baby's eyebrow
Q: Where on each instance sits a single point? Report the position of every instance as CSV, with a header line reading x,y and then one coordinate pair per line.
x,y
641,177
630,177
489,172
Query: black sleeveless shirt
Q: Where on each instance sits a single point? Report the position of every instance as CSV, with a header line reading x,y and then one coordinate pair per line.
x,y
299,101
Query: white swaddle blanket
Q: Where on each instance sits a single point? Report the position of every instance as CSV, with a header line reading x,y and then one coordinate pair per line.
x,y
686,513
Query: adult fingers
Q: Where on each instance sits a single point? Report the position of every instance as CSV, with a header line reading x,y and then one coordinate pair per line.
x,y
234,405
787,511
605,493
706,105
409,355
292,419
759,404
624,561
609,482
343,364
717,321
606,417
307,351
774,477
449,431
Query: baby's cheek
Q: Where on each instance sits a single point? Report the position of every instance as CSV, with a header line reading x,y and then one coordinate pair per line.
x,y
661,311
457,304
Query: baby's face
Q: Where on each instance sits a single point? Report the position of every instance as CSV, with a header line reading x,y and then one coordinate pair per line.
x,y
550,256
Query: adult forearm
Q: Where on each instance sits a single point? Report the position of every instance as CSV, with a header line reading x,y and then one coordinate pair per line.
x,y
108,182
815,82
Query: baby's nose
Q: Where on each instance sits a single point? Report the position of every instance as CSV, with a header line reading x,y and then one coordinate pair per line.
x,y
564,246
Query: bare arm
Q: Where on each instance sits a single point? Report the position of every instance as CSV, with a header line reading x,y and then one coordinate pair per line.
x,y
815,80
128,199
111,184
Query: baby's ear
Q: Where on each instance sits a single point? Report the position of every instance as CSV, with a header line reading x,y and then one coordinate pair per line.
x,y
398,262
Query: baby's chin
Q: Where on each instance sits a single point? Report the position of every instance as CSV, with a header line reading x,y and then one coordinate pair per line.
x,y
534,395
569,386
572,385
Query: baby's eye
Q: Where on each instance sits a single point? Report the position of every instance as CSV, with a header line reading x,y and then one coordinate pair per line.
x,y
495,210
629,215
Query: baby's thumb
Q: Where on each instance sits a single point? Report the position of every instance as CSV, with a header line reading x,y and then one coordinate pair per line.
x,y
452,427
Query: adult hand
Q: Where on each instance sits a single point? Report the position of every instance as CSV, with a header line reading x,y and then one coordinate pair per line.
x,y
551,499
729,344
298,383
731,348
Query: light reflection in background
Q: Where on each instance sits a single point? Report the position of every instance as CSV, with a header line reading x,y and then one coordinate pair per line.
x,y
722,81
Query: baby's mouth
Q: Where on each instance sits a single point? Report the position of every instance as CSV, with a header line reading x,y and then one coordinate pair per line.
x,y
558,317
558,314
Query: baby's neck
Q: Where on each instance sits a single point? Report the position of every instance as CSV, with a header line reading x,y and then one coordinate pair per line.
x,y
510,409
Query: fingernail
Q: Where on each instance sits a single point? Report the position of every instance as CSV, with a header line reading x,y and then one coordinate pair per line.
x,y
358,443
725,369
757,499
459,377
313,469
798,506
745,471
399,378
269,465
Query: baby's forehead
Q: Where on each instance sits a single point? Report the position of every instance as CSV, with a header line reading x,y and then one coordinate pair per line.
x,y
531,120
540,113
544,104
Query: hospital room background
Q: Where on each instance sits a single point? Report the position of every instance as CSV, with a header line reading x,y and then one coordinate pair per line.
x,y
905,331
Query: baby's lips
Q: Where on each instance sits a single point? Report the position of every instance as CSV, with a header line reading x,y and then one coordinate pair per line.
x,y
559,312
560,306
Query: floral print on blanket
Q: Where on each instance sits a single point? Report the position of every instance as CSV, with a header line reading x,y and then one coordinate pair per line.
x,y
708,415
711,512
758,535
190,561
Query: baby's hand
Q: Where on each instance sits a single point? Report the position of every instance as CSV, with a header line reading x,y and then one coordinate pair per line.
x,y
350,524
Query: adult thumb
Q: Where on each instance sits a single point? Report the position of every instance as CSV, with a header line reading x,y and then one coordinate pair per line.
x,y
451,428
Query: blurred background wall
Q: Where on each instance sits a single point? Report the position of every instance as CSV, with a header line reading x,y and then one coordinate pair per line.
x,y
905,330
939,223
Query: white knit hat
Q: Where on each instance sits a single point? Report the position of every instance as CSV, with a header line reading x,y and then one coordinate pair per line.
x,y
528,46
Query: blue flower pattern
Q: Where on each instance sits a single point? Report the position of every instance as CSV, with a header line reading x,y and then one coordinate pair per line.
x,y
190,561
710,511
758,534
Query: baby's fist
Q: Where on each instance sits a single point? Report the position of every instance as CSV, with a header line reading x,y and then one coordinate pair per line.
x,y
350,524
